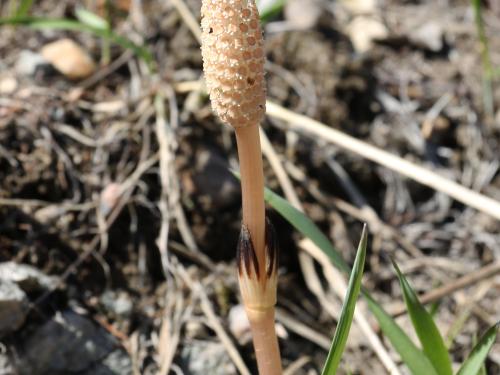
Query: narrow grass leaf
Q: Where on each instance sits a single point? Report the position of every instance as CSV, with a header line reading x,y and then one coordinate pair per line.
x,y
91,19
482,370
73,25
475,361
347,314
305,226
270,8
413,357
488,70
434,307
24,8
427,332
457,326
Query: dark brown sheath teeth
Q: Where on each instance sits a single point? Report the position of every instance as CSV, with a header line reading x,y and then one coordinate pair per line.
x,y
247,259
245,254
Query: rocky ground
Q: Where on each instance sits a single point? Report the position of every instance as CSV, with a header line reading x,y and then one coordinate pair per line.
x,y
117,237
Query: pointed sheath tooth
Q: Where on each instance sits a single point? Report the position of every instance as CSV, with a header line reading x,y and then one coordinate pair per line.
x,y
259,293
245,254
272,249
233,60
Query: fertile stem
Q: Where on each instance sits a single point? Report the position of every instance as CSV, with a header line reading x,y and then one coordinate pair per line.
x,y
252,188
257,254
265,342
233,63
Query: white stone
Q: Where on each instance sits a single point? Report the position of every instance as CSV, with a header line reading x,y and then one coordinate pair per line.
x,y
302,14
28,62
364,30
430,35
8,85
358,7
13,307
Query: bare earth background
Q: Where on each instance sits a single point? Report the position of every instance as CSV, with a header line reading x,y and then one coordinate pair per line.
x,y
91,284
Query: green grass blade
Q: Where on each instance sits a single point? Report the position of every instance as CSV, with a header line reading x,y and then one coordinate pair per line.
x,y
24,8
91,19
44,23
427,332
482,370
434,307
414,358
488,70
474,362
68,24
272,9
347,314
305,226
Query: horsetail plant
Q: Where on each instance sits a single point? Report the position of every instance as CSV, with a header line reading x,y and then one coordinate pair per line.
x,y
233,63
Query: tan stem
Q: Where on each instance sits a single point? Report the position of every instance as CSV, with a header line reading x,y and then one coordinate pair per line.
x,y
265,341
252,188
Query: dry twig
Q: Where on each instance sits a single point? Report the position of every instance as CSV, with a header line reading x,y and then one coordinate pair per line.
x,y
465,281
216,325
420,174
